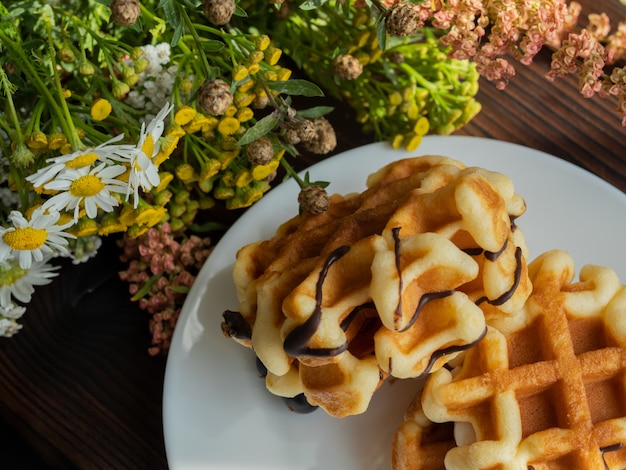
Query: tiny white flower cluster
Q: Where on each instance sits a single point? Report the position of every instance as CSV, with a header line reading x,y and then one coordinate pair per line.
x,y
154,88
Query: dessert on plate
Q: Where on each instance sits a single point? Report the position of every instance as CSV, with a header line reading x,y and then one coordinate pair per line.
x,y
393,282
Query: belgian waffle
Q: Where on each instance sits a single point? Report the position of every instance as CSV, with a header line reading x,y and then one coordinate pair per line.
x,y
546,389
385,283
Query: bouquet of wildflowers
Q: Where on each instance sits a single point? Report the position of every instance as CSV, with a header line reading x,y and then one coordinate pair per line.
x,y
141,118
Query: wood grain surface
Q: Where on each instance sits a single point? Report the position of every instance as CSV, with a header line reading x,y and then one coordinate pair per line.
x,y
77,387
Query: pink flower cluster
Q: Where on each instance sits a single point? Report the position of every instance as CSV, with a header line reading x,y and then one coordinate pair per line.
x,y
591,54
491,32
162,266
486,32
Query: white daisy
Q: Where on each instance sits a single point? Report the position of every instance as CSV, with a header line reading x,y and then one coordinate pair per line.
x,y
89,188
12,311
105,153
19,282
8,327
34,239
143,172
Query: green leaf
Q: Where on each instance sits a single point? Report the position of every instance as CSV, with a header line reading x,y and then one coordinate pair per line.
x,y
178,33
315,112
207,227
262,127
296,87
212,45
312,4
307,181
171,12
240,12
146,287
381,35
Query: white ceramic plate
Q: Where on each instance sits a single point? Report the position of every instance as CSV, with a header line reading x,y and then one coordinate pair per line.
x,y
217,413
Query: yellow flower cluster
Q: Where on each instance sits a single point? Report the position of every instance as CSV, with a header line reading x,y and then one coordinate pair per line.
x,y
400,90
214,166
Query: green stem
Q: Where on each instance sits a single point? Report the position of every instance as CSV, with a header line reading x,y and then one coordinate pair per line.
x,y
73,138
196,38
8,91
291,172
34,77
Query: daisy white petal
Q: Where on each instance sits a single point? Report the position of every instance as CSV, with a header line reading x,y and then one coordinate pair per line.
x,y
30,240
18,282
105,153
88,188
143,172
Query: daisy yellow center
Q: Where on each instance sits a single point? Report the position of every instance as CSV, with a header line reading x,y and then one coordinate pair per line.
x,y
80,161
10,273
148,146
86,186
26,238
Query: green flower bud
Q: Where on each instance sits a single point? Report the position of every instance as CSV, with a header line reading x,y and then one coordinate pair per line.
x,y
86,69
66,55
120,89
136,53
141,64
22,156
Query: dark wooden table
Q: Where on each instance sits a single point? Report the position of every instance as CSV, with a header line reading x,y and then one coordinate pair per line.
x,y
77,387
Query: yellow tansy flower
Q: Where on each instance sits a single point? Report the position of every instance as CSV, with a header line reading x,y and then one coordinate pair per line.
x,y
184,115
284,74
272,55
395,98
135,230
253,69
422,126
226,157
240,72
209,169
37,141
150,216
243,178
110,223
166,178
85,227
396,143
243,99
175,130
168,145
245,86
260,172
262,42
245,114
256,57
414,142
56,140
100,109
228,126
185,173
198,123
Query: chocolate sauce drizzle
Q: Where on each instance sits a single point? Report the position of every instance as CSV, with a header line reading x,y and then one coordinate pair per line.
x,y
516,280
603,450
449,350
345,324
235,326
611,448
424,299
295,343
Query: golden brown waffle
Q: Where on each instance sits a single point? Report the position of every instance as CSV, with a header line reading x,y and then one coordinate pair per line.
x,y
547,391
385,283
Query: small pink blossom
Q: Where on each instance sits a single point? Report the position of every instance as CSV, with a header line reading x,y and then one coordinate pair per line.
x,y
165,260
